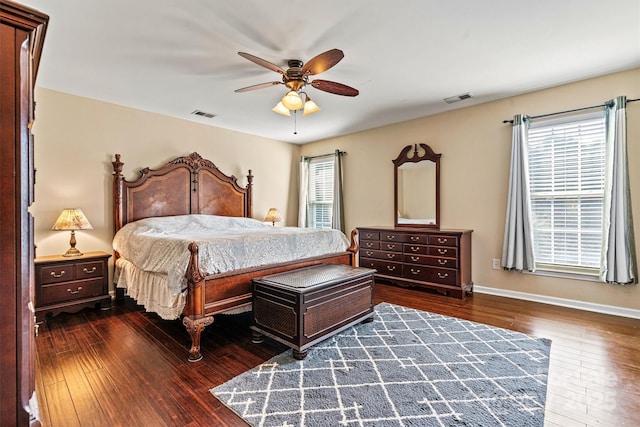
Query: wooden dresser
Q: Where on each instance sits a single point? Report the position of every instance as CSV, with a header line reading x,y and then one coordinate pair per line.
x,y
21,36
429,258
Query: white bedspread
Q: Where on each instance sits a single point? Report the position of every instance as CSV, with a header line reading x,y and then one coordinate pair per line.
x,y
155,252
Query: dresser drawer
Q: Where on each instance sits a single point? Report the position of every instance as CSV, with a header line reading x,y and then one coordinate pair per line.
x,y
89,270
388,236
391,246
430,274
431,260
57,273
443,251
416,249
366,244
388,268
370,235
78,289
389,256
417,238
442,240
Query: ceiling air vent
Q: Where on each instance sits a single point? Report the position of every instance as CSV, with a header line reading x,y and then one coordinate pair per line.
x,y
203,114
457,98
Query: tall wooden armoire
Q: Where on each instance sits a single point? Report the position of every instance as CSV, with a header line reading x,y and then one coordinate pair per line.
x,y
21,36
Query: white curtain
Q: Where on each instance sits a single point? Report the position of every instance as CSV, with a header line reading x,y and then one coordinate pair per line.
x,y
337,216
618,261
303,205
517,248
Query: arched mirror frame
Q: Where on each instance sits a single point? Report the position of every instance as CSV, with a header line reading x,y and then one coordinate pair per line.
x,y
404,157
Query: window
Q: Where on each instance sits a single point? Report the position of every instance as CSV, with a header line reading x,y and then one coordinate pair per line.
x,y
321,174
566,173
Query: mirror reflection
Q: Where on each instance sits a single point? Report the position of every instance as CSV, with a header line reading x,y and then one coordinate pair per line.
x,y
417,187
416,193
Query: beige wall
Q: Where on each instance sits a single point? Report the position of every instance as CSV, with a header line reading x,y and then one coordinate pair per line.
x,y
76,139
475,147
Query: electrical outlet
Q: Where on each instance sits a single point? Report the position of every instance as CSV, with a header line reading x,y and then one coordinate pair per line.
x,y
495,264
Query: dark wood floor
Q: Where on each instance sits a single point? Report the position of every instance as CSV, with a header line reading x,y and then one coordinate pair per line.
x,y
124,367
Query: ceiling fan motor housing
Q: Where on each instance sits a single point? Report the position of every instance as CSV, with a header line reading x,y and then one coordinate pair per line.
x,y
294,78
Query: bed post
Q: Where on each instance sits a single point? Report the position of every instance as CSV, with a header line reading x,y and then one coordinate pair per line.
x,y
195,321
249,198
117,193
353,248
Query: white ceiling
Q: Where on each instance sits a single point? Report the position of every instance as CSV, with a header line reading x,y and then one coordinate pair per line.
x,y
173,57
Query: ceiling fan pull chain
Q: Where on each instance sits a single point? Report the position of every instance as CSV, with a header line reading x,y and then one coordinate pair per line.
x,y
295,122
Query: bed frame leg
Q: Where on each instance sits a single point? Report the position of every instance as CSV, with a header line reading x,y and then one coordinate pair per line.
x,y
194,328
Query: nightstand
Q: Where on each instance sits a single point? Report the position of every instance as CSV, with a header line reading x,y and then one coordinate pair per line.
x,y
69,284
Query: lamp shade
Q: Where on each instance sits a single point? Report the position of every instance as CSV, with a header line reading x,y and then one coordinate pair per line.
x,y
273,216
292,101
281,109
310,107
72,219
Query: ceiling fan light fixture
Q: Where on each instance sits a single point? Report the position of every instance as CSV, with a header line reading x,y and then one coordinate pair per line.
x,y
292,100
281,109
310,107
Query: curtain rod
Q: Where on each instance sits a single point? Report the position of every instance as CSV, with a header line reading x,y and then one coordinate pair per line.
x,y
570,111
325,155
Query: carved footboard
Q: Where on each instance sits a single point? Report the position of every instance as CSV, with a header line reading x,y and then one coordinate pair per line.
x,y
223,292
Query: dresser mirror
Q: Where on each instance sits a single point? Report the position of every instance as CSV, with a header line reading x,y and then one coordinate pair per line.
x,y
417,187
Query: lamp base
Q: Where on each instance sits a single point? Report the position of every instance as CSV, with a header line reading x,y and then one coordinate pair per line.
x,y
72,252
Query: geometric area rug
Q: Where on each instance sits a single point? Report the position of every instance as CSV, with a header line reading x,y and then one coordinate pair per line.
x,y
406,368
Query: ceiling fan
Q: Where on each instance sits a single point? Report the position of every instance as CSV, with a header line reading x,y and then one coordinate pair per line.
x,y
296,78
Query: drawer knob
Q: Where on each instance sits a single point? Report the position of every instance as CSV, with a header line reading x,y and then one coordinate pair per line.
x,y
369,235
57,276
415,258
442,251
391,267
414,248
86,270
391,246
416,271
391,237
442,240
442,261
369,244
414,238
77,291
369,253
391,255
443,275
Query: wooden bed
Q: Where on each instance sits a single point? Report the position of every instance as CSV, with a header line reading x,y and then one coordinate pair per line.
x,y
193,185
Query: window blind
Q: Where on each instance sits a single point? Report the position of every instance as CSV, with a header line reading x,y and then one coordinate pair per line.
x,y
566,172
321,192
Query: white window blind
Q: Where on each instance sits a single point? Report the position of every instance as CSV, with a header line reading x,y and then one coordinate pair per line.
x,y
321,192
566,170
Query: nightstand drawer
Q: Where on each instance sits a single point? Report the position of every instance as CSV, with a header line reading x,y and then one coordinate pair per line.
x,y
57,273
89,270
78,289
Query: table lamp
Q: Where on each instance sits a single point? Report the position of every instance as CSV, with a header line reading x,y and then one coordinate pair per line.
x,y
273,216
72,219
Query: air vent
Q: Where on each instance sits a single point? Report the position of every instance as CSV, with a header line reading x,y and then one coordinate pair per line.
x,y
457,98
203,114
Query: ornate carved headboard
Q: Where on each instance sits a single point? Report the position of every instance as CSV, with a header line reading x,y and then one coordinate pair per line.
x,y
185,185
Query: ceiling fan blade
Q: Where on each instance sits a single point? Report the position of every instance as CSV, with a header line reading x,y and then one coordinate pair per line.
x,y
335,88
258,86
322,62
262,62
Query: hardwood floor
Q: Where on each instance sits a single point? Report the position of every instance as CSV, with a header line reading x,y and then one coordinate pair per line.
x,y
125,367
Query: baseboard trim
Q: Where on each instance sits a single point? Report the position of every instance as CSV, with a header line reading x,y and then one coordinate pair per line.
x,y
580,305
